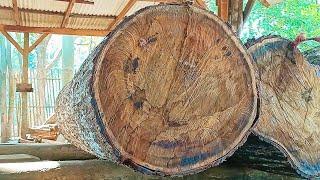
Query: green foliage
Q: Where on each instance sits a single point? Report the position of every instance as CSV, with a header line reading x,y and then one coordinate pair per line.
x,y
287,19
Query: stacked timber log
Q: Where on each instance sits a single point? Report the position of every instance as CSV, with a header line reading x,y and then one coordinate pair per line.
x,y
290,103
171,91
313,55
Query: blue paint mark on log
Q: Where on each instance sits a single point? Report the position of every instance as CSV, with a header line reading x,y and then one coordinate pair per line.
x,y
309,169
318,72
185,161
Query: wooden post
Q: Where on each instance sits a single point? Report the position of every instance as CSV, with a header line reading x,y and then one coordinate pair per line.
x,y
3,73
223,9
24,95
236,15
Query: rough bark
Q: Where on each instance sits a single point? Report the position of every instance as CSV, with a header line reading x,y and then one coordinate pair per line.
x,y
171,91
260,155
53,152
313,55
290,103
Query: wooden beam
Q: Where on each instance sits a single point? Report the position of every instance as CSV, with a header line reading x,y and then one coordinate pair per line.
x,y
201,3
248,9
223,9
269,3
38,41
67,13
13,42
16,12
79,1
122,14
65,31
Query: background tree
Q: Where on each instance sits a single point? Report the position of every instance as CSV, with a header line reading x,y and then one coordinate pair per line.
x,y
67,58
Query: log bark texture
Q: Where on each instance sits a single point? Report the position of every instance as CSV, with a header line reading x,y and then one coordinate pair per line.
x,y
170,91
260,155
313,55
290,103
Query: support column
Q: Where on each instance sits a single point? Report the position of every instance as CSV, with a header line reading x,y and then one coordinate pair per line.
x,y
24,95
24,124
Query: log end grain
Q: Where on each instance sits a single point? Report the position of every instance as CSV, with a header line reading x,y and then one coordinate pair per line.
x,y
173,93
290,103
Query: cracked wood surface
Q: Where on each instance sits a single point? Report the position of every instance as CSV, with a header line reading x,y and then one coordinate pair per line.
x,y
172,91
290,103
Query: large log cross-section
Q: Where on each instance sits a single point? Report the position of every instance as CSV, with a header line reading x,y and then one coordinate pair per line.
x,y
161,94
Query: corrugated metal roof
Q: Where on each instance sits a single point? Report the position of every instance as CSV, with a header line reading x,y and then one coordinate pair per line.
x,y
6,17
40,20
88,23
6,3
49,13
43,5
140,5
100,7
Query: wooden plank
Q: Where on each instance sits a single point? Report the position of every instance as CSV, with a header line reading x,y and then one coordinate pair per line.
x,y
67,13
38,41
15,158
65,31
46,151
49,131
16,12
122,14
13,42
22,87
